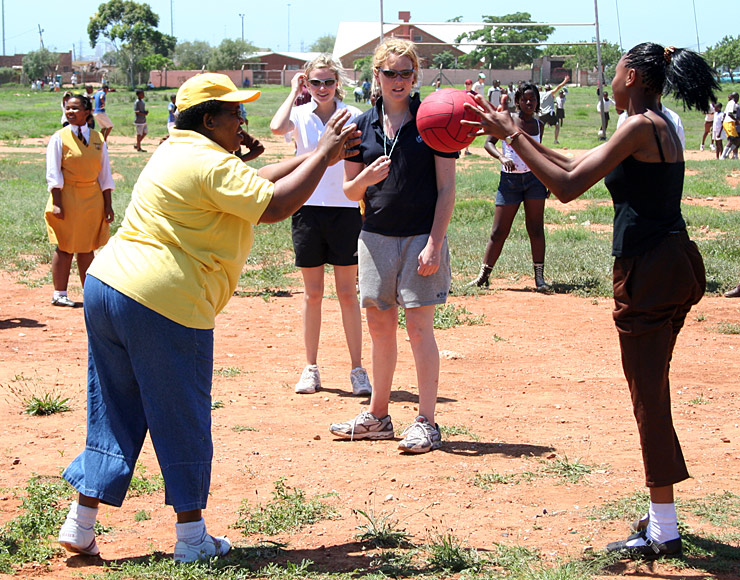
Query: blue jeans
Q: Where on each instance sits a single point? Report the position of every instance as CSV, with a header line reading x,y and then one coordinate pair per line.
x,y
145,373
514,188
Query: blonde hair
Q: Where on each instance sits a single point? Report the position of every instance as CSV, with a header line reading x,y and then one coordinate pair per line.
x,y
325,60
399,47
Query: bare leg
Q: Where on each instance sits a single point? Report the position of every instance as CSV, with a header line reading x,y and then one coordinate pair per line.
x,y
534,215
313,282
420,328
503,217
345,279
189,516
383,325
61,262
83,263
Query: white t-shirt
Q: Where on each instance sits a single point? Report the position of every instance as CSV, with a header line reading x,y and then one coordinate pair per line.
x,y
494,96
731,107
718,132
479,87
606,103
547,103
560,102
308,129
672,115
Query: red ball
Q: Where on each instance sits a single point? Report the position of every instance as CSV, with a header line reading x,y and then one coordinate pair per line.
x,y
438,120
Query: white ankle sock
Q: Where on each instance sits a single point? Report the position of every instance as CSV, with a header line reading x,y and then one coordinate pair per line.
x,y
59,294
84,516
663,525
191,532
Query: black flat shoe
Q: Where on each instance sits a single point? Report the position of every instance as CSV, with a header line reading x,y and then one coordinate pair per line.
x,y
650,551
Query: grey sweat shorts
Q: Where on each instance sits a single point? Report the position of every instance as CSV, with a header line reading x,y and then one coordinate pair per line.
x,y
388,277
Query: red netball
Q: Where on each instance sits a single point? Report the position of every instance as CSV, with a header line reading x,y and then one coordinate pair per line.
x,y
438,120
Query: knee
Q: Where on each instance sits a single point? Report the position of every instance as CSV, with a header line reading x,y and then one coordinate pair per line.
x,y
313,296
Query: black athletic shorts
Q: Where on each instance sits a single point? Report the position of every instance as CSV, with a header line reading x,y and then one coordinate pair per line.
x,y
326,235
549,119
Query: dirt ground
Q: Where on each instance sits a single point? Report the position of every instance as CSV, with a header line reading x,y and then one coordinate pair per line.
x,y
539,380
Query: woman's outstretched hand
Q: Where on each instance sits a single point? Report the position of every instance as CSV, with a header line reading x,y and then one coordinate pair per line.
x,y
338,139
489,122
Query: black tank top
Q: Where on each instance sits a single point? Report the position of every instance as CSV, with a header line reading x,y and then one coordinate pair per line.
x,y
647,202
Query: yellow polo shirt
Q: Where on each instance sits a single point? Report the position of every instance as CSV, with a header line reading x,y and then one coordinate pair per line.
x,y
187,231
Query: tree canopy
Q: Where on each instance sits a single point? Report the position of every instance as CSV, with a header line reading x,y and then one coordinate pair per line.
x,y
131,28
583,56
507,56
39,63
192,55
725,55
230,54
323,44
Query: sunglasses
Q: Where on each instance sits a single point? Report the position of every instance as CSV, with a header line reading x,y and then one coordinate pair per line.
x,y
316,83
392,74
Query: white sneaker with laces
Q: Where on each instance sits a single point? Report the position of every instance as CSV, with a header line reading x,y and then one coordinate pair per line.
x,y
77,538
360,382
364,426
701,147
210,547
421,436
310,381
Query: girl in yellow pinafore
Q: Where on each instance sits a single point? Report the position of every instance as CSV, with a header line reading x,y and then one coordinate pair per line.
x,y
79,209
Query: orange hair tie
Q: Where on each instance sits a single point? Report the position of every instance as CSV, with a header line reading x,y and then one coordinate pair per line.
x,y
668,53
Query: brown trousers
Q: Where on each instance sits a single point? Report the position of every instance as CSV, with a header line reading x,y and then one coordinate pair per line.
x,y
653,293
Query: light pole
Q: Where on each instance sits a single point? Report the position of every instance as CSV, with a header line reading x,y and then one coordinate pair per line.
x,y
288,26
242,17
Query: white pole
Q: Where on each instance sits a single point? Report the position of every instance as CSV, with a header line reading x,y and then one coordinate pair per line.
x,y
598,65
381,20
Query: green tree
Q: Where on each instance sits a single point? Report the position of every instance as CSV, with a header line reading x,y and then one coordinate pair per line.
x,y
192,55
152,62
131,27
583,56
725,55
39,63
365,66
323,44
507,56
444,60
230,54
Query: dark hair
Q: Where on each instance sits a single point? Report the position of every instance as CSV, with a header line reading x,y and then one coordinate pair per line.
x,y
192,118
84,99
674,71
523,88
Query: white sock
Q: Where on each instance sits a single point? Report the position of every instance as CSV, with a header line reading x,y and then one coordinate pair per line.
x,y
59,294
663,526
84,516
191,532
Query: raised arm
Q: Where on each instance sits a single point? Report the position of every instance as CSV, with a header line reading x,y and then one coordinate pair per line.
x,y
281,123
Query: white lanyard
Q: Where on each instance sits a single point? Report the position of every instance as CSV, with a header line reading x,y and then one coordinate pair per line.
x,y
385,137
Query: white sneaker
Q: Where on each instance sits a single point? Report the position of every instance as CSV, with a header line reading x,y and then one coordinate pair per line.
x,y
713,147
78,539
701,147
360,382
208,548
421,436
310,381
364,426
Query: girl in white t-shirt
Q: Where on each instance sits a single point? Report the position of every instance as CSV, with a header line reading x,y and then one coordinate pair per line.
x,y
718,132
326,228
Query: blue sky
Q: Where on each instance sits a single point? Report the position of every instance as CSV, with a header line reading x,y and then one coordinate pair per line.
x,y
299,22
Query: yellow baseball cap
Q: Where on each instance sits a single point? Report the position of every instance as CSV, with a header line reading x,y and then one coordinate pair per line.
x,y
211,86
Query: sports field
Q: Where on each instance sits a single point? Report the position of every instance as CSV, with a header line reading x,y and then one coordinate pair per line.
x,y
541,463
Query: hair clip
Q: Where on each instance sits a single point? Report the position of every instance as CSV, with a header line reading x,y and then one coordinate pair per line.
x,y
668,53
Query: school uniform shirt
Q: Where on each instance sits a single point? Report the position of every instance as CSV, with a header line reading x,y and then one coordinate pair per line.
x,y
187,231
308,129
403,204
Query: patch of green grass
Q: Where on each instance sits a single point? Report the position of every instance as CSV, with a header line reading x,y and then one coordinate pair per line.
x,y
381,530
289,510
728,328
720,509
447,316
217,405
240,428
228,372
142,516
30,536
627,508
141,484
571,471
700,400
492,479
34,400
448,430
448,553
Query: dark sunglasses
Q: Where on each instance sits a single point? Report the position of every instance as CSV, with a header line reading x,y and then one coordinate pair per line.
x,y
392,74
317,83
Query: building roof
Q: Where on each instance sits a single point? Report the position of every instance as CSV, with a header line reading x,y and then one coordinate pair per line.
x,y
302,56
352,35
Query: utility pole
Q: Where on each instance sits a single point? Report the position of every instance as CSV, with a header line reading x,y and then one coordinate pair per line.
x,y
3,27
242,17
172,21
288,26
41,37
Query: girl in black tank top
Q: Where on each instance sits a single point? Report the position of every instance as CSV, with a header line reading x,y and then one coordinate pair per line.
x,y
658,271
